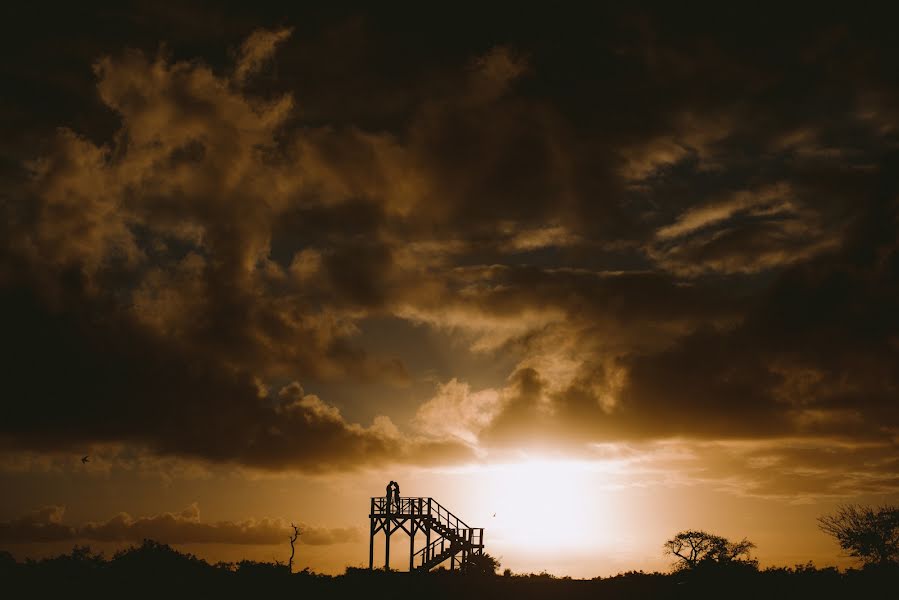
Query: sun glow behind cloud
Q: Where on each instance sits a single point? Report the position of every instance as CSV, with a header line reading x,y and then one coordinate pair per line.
x,y
574,312
545,504
557,503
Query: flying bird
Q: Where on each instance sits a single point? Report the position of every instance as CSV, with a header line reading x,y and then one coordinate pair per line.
x,y
494,514
85,459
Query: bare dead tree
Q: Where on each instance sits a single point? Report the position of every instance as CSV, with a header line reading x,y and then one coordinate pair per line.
x,y
293,538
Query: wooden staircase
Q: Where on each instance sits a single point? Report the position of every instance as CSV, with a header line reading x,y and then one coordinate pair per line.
x,y
447,537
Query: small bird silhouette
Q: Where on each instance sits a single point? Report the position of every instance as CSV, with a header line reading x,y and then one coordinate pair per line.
x,y
494,514
85,459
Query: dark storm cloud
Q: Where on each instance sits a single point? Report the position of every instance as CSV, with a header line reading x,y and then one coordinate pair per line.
x,y
141,271
814,354
747,232
184,527
41,525
817,354
674,228
114,381
140,278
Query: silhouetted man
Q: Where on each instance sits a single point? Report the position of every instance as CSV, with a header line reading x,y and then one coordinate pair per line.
x,y
390,494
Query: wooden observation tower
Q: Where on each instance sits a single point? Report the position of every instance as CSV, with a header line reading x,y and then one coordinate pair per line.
x,y
446,536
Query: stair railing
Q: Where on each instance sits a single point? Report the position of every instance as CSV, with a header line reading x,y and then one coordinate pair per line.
x,y
419,506
445,516
435,549
458,534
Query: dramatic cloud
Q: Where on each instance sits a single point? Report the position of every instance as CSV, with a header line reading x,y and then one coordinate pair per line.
x,y
257,49
795,470
177,306
185,527
656,233
457,412
41,525
748,232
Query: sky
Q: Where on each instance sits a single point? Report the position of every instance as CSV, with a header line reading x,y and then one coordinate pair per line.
x,y
587,278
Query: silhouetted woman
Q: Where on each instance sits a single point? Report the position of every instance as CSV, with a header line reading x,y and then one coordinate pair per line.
x,y
396,495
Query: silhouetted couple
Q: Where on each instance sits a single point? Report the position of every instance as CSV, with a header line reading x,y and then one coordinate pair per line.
x,y
393,496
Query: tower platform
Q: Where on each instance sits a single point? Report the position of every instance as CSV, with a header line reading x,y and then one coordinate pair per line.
x,y
447,537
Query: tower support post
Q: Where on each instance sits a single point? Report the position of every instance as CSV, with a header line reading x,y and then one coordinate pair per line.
x,y
371,537
387,544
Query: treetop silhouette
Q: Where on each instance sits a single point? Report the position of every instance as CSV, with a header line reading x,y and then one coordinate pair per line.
x,y
694,548
866,533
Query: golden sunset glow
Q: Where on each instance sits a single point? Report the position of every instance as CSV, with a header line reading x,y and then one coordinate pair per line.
x,y
520,494
587,278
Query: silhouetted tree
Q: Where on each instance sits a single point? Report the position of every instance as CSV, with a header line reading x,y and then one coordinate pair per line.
x,y
694,548
870,534
293,539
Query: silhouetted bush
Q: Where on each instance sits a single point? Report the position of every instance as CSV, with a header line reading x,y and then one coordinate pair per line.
x,y
483,564
7,562
78,563
252,568
152,558
154,570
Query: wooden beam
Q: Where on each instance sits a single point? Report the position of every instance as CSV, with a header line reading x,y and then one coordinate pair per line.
x,y
412,525
427,552
371,544
386,544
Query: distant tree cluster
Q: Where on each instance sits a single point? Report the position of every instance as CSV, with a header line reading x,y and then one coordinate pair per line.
x,y
863,532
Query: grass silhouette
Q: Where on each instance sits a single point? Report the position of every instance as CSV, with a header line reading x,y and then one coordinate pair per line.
x,y
156,570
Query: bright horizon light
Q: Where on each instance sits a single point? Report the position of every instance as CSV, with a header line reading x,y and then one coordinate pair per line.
x,y
563,503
